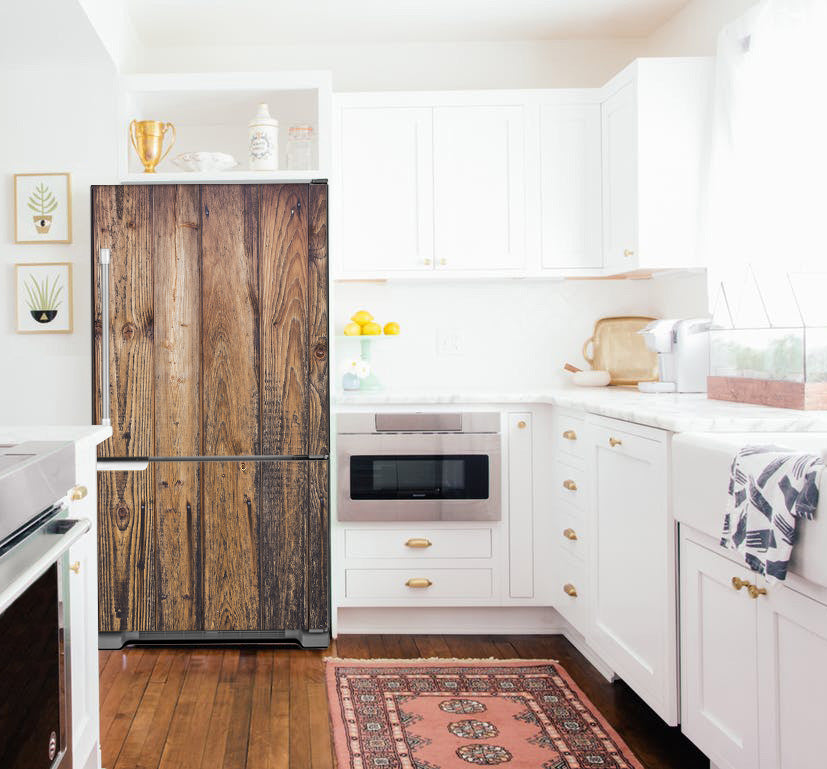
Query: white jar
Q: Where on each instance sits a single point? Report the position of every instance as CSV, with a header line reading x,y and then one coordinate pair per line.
x,y
264,141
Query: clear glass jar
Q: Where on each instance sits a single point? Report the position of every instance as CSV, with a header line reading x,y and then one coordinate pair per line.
x,y
300,148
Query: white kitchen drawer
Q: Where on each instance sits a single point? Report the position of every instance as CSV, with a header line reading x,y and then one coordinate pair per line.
x,y
392,583
569,530
568,573
569,434
569,484
408,543
628,442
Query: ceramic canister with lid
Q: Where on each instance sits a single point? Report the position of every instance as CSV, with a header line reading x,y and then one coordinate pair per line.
x,y
264,141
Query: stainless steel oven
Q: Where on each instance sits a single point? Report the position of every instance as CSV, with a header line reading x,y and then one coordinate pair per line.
x,y
35,632
419,466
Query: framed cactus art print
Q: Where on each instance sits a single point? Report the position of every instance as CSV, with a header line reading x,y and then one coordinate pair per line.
x,y
43,298
43,208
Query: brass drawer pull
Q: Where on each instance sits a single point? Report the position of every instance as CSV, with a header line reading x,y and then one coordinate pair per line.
x,y
627,252
570,435
615,442
570,534
570,590
738,583
570,485
75,567
419,582
521,424
755,591
418,542
78,492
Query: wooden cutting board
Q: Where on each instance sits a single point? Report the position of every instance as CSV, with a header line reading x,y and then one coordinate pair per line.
x,y
617,347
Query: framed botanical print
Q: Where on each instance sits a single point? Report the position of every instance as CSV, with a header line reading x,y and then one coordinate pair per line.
x,y
43,208
43,298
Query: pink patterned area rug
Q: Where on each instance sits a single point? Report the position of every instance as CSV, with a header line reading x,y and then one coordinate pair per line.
x,y
456,714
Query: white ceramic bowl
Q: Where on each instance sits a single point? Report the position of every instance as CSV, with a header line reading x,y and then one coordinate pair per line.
x,y
205,161
591,378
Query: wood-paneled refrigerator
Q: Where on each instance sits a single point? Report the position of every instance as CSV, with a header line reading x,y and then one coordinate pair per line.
x,y
211,362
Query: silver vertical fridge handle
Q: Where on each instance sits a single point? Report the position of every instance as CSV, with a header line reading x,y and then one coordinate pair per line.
x,y
104,262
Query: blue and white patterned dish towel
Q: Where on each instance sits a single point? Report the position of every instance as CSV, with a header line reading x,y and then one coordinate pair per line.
x,y
770,490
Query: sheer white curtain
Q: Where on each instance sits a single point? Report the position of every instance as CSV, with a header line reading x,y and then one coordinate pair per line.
x,y
766,203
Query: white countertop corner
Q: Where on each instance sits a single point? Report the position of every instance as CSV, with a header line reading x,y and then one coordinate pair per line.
x,y
80,435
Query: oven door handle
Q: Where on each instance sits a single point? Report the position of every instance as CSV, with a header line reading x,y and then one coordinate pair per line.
x,y
25,563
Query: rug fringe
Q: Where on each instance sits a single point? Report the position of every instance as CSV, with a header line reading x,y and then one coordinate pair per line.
x,y
358,660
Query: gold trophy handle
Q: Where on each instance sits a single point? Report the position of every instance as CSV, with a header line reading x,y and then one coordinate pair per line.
x,y
133,126
166,128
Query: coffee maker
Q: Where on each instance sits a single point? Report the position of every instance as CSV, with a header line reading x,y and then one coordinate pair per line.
x,y
682,346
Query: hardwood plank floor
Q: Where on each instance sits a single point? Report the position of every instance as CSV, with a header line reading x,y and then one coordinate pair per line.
x,y
266,708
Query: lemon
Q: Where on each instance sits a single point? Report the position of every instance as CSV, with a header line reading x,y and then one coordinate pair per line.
x,y
362,317
371,329
391,329
353,329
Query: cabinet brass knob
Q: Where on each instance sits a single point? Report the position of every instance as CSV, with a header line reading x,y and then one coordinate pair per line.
x,y
627,252
521,424
78,492
615,442
570,534
427,261
570,435
570,590
419,582
75,567
738,583
755,591
570,485
443,261
418,542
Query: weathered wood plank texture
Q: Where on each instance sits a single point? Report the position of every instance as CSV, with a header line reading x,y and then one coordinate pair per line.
x,y
123,223
318,324
176,264
126,556
284,397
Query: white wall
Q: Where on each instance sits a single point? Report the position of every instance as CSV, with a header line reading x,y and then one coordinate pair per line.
x,y
416,66
516,334
693,31
58,116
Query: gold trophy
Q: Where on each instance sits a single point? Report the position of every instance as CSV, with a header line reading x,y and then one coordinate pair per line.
x,y
147,139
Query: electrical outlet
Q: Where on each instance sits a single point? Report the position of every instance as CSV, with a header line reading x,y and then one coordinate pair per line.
x,y
450,342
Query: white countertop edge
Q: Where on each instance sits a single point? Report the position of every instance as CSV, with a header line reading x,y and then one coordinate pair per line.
x,y
90,435
690,412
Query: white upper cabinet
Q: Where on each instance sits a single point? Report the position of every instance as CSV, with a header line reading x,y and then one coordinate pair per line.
x,y
479,188
386,189
620,182
654,132
570,184
575,182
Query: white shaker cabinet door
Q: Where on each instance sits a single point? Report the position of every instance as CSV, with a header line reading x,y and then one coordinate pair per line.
x,y
570,179
620,179
479,188
633,579
386,190
719,647
792,680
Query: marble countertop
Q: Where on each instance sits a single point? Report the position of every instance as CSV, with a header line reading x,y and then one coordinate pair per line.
x,y
89,434
679,413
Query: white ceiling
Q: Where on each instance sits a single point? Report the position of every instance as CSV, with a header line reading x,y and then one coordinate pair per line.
x,y
263,22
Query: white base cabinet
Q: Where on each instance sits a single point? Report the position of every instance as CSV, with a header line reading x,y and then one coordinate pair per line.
x,y
754,678
632,565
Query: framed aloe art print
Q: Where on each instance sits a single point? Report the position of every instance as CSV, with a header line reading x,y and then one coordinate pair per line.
x,y
43,208
43,300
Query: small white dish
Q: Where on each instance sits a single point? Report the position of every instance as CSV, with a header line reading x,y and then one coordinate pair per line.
x,y
591,378
205,161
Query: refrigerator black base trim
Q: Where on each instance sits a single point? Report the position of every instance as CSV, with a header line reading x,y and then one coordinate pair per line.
x,y
306,639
